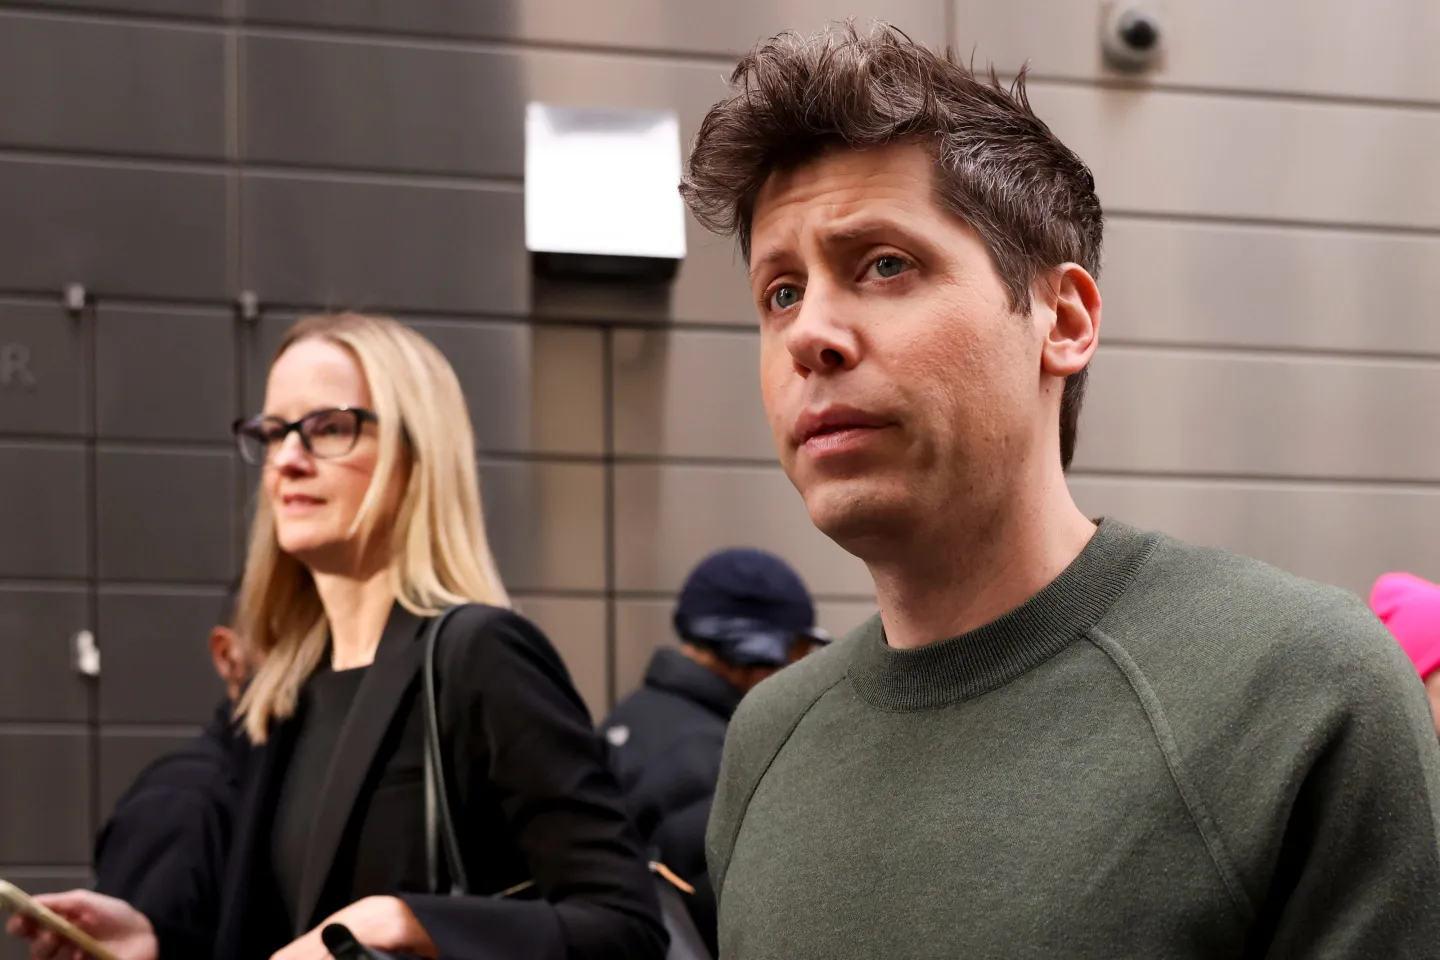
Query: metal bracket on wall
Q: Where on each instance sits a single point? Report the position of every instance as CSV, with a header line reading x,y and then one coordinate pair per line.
x,y
87,654
247,306
76,298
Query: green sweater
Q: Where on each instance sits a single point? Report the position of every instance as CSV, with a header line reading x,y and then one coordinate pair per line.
x,y
1167,752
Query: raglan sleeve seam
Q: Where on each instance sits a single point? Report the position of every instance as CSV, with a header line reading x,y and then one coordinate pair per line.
x,y
1164,736
734,832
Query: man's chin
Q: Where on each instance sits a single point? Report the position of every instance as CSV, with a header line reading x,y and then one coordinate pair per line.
x,y
853,513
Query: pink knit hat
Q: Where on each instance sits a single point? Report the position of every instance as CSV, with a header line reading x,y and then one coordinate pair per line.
x,y
1410,607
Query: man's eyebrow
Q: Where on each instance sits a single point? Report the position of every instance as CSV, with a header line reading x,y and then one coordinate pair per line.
x,y
845,233
775,255
841,235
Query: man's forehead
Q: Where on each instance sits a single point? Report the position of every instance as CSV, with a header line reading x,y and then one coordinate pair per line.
x,y
842,191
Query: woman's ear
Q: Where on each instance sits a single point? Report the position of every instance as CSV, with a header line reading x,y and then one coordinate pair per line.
x,y
1074,328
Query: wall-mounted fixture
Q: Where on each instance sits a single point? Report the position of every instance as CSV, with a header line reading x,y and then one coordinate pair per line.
x,y
75,298
247,306
601,193
1131,37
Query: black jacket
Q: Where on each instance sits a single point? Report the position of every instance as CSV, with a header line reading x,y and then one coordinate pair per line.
x,y
666,742
165,845
530,791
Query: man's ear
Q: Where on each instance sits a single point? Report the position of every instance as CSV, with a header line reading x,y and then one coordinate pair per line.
x,y
1073,300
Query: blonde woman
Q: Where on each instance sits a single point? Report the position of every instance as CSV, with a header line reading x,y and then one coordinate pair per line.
x,y
369,524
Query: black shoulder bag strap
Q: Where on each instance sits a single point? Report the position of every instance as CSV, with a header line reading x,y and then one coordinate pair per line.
x,y
439,823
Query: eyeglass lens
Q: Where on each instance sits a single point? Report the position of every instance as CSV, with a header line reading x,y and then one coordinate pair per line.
x,y
325,434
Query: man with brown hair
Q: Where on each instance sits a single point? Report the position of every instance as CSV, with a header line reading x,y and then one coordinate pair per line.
x,y
1058,738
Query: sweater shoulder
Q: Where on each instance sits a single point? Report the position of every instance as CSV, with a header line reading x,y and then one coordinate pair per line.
x,y
759,730
1203,605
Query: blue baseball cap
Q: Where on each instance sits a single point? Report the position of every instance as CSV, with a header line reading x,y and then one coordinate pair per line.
x,y
748,606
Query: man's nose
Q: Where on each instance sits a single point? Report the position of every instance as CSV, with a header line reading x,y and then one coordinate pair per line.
x,y
822,339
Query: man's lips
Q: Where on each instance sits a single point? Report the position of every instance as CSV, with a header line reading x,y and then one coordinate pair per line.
x,y
834,420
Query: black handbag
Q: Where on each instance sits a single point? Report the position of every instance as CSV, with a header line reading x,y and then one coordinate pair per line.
x,y
441,838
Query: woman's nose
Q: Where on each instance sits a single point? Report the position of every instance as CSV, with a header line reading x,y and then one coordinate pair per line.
x,y
290,456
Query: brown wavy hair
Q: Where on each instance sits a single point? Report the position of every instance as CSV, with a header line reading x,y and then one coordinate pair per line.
x,y
998,166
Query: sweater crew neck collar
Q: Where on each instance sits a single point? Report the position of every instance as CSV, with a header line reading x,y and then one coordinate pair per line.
x,y
963,667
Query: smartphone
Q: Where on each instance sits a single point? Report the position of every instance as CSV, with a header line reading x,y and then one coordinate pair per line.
x,y
15,900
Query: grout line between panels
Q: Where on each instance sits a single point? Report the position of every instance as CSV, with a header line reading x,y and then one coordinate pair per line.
x,y
438,41
92,532
1117,84
607,394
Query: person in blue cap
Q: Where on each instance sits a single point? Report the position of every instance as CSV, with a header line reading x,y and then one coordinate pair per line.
x,y
742,615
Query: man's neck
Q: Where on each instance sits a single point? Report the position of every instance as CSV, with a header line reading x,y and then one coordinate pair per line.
x,y
357,610
961,576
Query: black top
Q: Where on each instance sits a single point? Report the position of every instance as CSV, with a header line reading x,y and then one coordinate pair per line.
x,y
165,844
532,796
666,741
324,705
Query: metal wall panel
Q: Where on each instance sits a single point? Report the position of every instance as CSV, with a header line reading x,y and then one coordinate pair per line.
x,y
165,515
529,389
1194,154
689,394
1153,409
164,375
1342,534
37,625
153,640
44,371
367,244
629,25
641,628
136,89
669,517
403,100
43,496
406,107
1256,286
546,523
125,753
1382,49
83,223
45,808
576,626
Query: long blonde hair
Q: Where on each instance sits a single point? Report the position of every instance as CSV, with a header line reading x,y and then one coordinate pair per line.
x,y
438,551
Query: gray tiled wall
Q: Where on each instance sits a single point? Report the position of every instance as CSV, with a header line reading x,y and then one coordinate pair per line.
x,y
1266,384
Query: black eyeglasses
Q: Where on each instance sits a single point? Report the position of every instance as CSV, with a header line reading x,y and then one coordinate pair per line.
x,y
324,433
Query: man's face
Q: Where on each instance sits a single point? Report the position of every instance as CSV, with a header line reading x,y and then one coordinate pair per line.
x,y
899,383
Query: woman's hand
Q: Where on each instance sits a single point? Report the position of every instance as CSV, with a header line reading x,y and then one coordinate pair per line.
x,y
119,927
384,923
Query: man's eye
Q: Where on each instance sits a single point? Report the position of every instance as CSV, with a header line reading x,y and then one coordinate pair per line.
x,y
886,267
785,297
